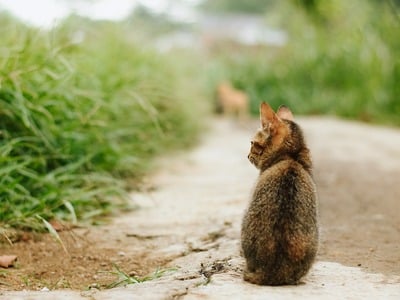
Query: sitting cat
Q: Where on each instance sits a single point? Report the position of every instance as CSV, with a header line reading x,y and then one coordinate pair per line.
x,y
231,101
279,231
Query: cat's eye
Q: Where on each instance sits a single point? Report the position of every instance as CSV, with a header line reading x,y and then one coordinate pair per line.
x,y
256,144
257,147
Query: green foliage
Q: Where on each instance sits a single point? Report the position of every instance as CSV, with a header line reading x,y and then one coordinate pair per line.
x,y
236,6
348,66
124,278
79,111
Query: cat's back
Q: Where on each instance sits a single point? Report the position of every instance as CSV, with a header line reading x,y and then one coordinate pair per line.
x,y
285,188
284,176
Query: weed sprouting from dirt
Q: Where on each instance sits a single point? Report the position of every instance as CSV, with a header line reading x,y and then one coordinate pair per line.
x,y
126,279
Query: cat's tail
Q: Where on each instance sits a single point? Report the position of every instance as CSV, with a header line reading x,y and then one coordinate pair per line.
x,y
254,277
261,278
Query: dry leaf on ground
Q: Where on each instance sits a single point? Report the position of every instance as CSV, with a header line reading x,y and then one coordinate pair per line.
x,y
7,260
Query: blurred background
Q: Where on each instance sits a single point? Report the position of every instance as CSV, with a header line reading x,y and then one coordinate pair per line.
x,y
323,57
92,90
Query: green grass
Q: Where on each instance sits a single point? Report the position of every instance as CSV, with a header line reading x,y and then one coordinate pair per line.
x,y
77,119
348,66
124,278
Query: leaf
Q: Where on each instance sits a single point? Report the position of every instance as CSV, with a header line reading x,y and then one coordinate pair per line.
x,y
71,209
53,232
7,260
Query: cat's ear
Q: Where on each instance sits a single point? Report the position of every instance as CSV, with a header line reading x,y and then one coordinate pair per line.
x,y
285,113
267,116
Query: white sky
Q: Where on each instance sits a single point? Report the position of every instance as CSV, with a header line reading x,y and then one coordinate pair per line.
x,y
46,13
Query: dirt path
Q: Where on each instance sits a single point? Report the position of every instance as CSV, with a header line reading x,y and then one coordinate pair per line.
x,y
189,223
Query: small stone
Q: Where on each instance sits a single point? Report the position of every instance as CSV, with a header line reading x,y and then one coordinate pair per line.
x,y
45,289
94,286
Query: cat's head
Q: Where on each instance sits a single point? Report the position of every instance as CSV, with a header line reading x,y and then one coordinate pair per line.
x,y
278,137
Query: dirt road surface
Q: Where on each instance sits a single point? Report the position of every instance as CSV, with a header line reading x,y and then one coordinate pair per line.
x,y
189,220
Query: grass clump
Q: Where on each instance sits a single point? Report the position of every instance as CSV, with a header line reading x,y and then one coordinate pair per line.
x,y
78,117
124,278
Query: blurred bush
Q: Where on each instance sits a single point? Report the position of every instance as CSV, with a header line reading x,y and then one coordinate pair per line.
x,y
342,58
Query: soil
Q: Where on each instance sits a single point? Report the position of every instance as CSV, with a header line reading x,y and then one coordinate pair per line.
x,y
91,260
188,224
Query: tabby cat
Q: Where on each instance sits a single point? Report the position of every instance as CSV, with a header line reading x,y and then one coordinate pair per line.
x,y
279,234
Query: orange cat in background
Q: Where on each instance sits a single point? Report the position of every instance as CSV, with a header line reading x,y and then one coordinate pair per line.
x,y
232,102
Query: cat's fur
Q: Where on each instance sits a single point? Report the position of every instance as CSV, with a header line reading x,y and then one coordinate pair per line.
x,y
279,231
232,101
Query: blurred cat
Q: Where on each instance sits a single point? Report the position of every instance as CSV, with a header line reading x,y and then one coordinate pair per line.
x,y
231,101
279,231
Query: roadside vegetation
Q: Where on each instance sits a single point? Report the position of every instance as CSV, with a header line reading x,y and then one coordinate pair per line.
x,y
341,58
82,111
